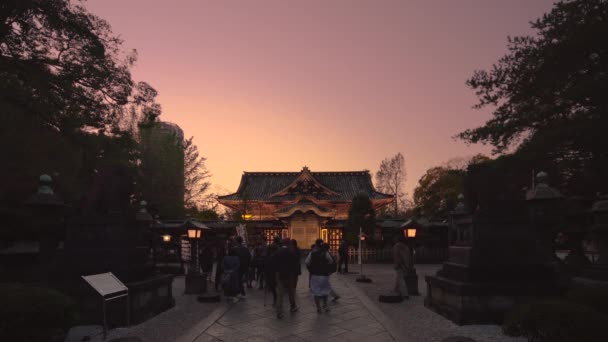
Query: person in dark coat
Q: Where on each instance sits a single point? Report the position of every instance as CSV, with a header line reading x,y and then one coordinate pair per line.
x,y
242,252
343,256
259,260
286,262
231,280
296,250
219,259
269,268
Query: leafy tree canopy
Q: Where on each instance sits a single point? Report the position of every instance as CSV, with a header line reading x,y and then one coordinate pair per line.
x,y
555,81
548,96
438,189
361,214
64,67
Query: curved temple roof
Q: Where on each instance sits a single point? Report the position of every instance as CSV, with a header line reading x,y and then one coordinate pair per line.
x,y
285,186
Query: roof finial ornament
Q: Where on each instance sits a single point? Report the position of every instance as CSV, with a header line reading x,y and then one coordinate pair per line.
x,y
460,206
542,190
45,185
305,168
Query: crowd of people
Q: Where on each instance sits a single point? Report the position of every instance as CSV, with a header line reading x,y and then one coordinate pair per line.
x,y
273,267
276,267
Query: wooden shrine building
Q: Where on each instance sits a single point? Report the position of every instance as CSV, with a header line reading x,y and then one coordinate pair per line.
x,y
301,205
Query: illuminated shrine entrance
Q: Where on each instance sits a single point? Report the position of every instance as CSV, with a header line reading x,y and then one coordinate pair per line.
x,y
304,228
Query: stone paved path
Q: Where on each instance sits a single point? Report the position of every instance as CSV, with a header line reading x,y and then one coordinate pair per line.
x,y
352,318
411,320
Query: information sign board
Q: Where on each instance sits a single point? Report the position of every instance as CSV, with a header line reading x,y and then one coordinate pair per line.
x,y
105,283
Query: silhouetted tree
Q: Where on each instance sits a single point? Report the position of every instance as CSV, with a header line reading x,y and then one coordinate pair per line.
x,y
361,214
196,176
548,95
438,189
390,179
63,66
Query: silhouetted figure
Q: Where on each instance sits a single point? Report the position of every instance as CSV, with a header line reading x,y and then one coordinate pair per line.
x,y
343,256
401,256
242,252
287,262
261,252
231,280
270,268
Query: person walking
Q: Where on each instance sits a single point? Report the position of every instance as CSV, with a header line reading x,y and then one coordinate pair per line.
x,y
219,260
343,256
331,268
401,262
319,261
261,252
296,250
242,252
287,263
270,268
231,281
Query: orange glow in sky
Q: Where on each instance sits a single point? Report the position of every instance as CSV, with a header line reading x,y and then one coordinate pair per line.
x,y
333,85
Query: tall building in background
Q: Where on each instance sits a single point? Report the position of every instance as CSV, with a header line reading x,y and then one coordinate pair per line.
x,y
162,168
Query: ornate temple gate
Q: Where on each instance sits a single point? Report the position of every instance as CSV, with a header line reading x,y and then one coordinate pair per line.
x,y
304,228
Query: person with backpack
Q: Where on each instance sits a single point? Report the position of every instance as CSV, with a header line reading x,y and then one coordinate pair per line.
x,y
319,262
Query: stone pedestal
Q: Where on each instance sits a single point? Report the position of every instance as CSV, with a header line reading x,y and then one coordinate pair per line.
x,y
494,264
196,283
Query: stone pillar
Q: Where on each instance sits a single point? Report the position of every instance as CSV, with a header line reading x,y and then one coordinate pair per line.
x,y
47,219
599,233
544,209
143,239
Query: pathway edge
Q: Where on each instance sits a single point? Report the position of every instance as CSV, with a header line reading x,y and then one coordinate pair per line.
x,y
203,325
384,320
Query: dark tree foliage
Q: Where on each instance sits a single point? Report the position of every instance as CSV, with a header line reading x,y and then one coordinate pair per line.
x,y
63,66
361,214
68,104
548,94
437,191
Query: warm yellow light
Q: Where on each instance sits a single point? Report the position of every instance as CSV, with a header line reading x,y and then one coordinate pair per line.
x,y
246,216
410,232
167,238
362,237
194,233
325,235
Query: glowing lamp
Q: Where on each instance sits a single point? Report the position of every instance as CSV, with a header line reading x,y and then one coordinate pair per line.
x,y
246,216
410,232
194,233
166,238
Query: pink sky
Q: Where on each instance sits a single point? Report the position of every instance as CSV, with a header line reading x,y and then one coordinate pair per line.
x,y
333,85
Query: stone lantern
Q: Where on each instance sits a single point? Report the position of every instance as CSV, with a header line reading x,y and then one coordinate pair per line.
x,y
47,220
544,204
599,233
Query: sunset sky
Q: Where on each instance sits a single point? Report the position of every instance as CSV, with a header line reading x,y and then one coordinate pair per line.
x,y
333,85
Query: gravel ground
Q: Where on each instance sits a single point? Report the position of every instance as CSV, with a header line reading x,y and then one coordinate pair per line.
x,y
171,324
415,321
